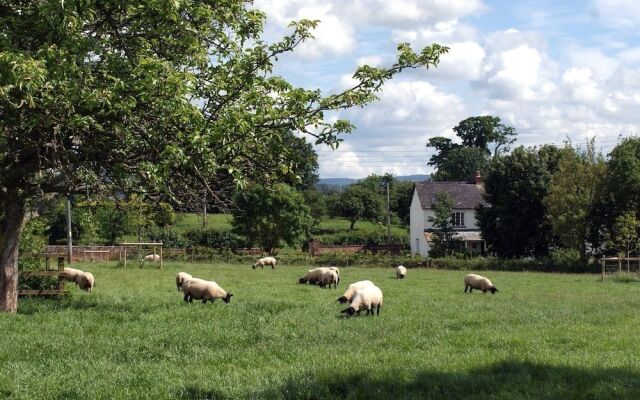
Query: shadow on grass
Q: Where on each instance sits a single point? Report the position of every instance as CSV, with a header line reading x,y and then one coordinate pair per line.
x,y
505,380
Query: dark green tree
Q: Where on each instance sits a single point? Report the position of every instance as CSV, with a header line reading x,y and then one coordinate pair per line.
x,y
623,177
486,132
155,97
359,202
461,164
271,216
515,223
445,239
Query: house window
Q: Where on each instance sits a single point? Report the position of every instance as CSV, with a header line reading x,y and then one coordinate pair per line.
x,y
457,219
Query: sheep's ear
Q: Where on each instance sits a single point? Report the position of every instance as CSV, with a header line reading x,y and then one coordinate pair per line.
x,y
342,299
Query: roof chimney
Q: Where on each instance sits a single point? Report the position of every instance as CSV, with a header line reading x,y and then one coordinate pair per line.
x,y
478,178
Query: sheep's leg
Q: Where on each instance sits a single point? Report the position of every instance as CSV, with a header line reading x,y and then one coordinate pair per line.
x,y
186,298
378,310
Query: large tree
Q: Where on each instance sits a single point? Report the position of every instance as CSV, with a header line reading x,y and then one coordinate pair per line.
x,y
167,96
271,216
478,137
514,224
574,191
360,202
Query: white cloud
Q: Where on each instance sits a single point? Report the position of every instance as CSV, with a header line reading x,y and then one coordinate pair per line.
x,y
618,13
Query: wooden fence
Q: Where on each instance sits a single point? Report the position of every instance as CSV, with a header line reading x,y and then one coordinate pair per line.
x,y
613,265
59,289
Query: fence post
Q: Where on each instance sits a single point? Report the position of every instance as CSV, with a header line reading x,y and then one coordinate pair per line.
x,y
603,269
619,265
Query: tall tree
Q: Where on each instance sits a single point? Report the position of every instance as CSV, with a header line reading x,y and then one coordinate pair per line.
x,y
623,177
514,224
162,96
573,193
478,135
269,217
359,202
445,239
625,232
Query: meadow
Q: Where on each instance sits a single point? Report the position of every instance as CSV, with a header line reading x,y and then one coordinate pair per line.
x,y
543,336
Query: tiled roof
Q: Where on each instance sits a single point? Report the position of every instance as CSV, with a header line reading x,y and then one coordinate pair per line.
x,y
464,195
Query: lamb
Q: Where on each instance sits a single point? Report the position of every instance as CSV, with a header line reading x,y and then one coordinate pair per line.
x,y
86,281
181,278
366,298
401,272
473,281
328,278
352,289
71,275
313,275
200,289
265,261
152,257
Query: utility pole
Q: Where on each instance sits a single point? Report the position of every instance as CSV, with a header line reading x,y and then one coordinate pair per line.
x,y
69,236
388,216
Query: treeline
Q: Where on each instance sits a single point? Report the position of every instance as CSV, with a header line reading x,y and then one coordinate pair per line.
x,y
547,198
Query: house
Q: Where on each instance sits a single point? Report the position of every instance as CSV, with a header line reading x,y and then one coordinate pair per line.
x,y
466,197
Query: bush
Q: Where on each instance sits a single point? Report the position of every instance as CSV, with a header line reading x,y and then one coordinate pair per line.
x,y
31,245
169,238
364,238
214,239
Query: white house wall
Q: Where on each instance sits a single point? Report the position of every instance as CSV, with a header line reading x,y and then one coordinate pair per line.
x,y
416,227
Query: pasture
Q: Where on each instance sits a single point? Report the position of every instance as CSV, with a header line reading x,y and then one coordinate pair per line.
x,y
543,336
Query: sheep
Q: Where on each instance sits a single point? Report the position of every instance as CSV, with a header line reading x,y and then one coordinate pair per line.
x,y
87,281
152,257
328,278
473,281
366,298
265,261
351,290
180,278
200,289
337,271
401,272
71,275
313,275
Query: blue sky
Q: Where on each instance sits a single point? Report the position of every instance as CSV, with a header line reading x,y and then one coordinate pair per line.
x,y
552,69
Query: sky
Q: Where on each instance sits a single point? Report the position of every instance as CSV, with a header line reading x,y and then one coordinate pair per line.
x,y
554,70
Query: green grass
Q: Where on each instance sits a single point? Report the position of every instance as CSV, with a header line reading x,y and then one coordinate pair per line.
x,y
544,336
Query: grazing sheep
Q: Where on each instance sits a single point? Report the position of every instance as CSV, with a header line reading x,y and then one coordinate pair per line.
x,y
473,281
401,272
200,289
87,281
366,298
313,275
265,261
328,278
71,275
352,289
152,257
180,278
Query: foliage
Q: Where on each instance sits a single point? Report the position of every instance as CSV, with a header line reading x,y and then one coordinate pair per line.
x,y
515,224
623,177
162,214
113,220
401,197
370,238
445,240
459,162
268,217
170,238
31,247
360,202
625,232
317,204
573,192
213,238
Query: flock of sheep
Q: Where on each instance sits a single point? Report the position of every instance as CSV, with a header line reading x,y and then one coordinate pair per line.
x,y
361,295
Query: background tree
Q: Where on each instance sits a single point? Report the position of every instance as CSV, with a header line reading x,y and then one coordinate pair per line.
x,y
103,95
401,197
269,217
625,232
445,239
623,177
573,192
514,224
478,135
359,202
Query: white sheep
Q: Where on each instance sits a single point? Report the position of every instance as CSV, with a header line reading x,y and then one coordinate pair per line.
x,y
478,282
351,290
152,258
328,278
313,276
180,278
366,298
337,271
265,261
87,281
200,289
401,272
71,275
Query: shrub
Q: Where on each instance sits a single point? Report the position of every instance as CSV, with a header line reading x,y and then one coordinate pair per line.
x,y
169,238
213,238
364,238
31,245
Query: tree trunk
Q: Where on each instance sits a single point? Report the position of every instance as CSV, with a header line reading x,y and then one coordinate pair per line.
x,y
353,222
11,230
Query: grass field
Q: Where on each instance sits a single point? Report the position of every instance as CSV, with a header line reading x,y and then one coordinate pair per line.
x,y
544,336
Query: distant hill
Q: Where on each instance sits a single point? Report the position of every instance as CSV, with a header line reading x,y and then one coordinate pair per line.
x,y
350,181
